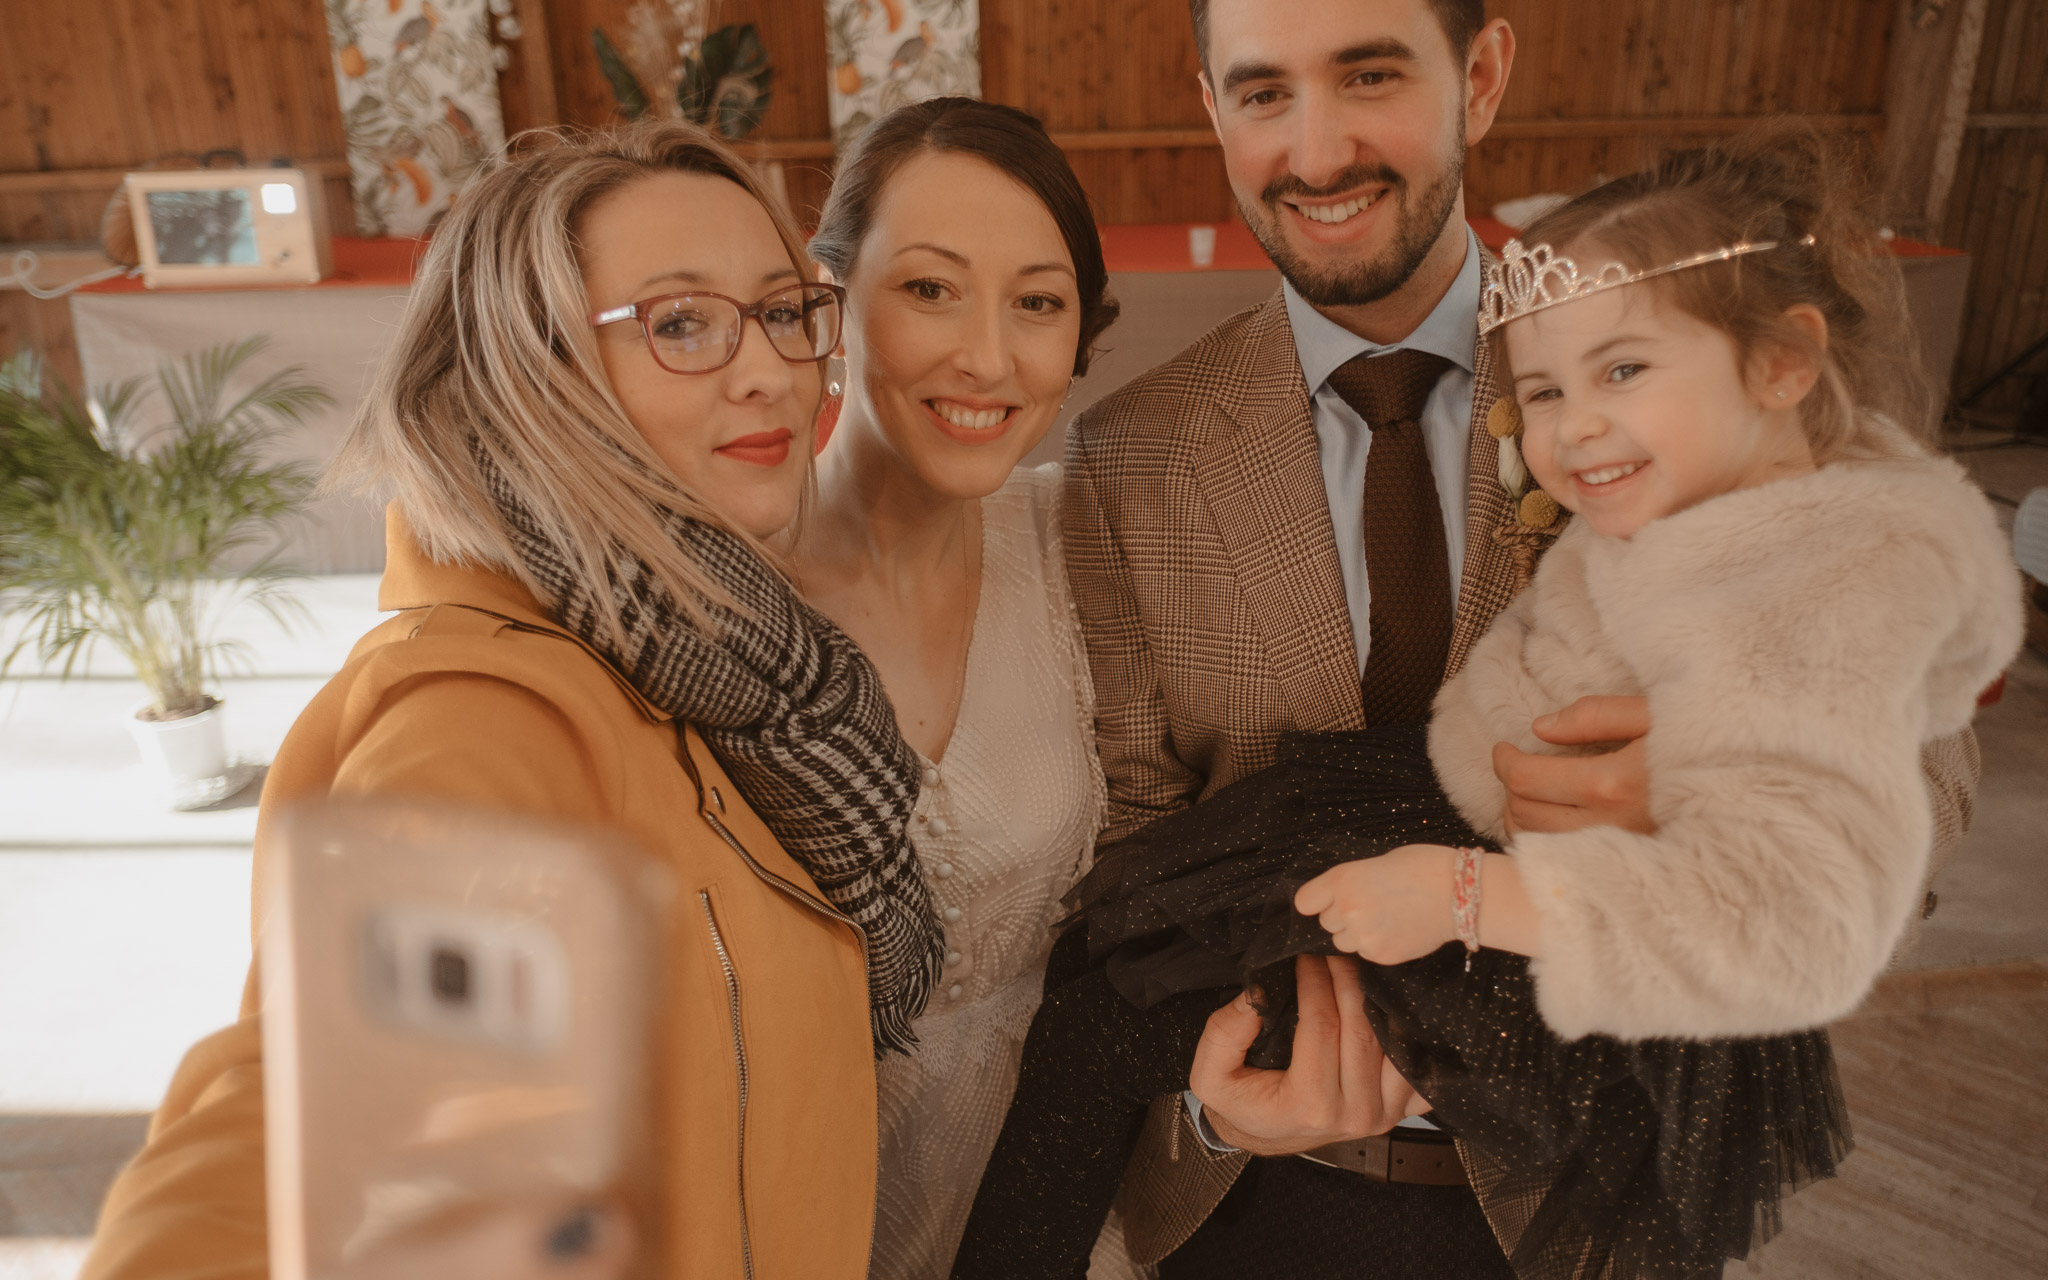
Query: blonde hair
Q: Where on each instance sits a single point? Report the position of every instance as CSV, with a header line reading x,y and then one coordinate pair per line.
x,y
1781,182
496,352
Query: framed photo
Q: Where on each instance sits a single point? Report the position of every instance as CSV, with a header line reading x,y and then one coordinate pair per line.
x,y
229,227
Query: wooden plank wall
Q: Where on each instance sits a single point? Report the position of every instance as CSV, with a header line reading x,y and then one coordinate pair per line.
x,y
1997,210
103,84
1599,90
88,86
793,32
1592,84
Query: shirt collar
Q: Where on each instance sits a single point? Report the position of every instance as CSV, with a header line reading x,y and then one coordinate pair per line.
x,y
1451,330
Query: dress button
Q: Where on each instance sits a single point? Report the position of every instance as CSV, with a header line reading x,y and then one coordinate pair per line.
x,y
953,992
931,775
952,914
943,871
952,957
940,827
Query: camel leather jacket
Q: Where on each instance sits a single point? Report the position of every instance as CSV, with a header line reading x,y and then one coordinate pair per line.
x,y
765,1100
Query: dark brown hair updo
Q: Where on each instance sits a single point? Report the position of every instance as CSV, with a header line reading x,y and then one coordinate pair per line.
x,y
1005,137
1781,182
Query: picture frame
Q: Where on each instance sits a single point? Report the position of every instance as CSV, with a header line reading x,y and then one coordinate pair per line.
x,y
201,227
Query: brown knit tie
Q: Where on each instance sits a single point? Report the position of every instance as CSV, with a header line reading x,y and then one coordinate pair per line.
x,y
1407,563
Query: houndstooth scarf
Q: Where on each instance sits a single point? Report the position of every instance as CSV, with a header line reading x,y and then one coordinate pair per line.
x,y
797,715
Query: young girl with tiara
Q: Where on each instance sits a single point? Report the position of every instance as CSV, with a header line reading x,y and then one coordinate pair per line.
x,y
1714,374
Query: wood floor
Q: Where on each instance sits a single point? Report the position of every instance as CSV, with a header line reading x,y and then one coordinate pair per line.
x,y
1945,1075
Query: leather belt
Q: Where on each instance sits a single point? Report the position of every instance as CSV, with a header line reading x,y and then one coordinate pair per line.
x,y
1425,1157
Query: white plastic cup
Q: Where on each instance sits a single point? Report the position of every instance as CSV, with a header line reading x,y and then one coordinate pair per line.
x,y
1202,245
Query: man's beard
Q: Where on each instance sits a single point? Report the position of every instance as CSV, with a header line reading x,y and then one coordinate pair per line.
x,y
1418,224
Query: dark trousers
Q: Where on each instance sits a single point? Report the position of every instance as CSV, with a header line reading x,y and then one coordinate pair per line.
x,y
1305,1221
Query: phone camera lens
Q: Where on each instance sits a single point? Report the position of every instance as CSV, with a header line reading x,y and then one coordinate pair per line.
x,y
449,973
573,1236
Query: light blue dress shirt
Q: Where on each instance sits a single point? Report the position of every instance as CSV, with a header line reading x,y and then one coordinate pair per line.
x,y
1343,439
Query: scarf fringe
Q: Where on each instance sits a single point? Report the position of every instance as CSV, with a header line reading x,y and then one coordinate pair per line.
x,y
891,1020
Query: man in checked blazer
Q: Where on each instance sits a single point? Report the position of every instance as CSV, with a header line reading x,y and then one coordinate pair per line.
x,y
1214,523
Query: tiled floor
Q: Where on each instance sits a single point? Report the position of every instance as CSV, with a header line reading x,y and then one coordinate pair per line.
x,y
123,938
55,1168
124,928
41,1257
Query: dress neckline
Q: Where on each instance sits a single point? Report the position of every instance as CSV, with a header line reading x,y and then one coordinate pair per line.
x,y
981,597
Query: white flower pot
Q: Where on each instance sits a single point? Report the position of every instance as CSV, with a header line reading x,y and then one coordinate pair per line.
x,y
188,757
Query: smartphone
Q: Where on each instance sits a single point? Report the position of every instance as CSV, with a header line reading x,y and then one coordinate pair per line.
x,y
458,1011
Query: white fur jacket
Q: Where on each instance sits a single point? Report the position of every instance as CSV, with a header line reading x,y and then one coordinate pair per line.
x,y
1798,642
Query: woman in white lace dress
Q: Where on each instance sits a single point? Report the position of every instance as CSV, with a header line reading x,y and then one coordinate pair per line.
x,y
975,291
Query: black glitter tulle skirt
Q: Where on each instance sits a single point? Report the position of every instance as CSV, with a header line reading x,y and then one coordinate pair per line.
x,y
1654,1158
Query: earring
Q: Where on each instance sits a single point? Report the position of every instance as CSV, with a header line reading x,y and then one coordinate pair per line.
x,y
828,409
1781,395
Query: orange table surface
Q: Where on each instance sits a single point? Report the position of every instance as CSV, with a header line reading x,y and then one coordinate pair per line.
x,y
359,261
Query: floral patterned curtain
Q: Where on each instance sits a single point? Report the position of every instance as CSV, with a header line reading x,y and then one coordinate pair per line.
x,y
885,53
419,103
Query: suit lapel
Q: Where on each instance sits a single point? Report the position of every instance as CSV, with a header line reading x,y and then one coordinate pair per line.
x,y
1487,581
1263,482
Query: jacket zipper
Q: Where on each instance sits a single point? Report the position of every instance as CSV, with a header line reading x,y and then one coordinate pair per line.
x,y
784,885
860,940
739,1053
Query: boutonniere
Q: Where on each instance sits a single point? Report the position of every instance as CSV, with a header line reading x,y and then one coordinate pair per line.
x,y
1535,511
1536,517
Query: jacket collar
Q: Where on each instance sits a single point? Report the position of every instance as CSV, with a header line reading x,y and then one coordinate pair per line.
x,y
412,581
1262,477
1263,482
1448,330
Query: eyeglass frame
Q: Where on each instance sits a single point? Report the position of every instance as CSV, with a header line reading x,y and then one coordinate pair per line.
x,y
748,311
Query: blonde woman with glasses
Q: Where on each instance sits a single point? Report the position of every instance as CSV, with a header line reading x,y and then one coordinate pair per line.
x,y
598,407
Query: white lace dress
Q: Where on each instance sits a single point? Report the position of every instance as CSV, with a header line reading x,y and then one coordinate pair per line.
x,y
1005,823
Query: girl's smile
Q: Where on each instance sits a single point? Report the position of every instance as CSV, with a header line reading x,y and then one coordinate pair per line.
x,y
1634,410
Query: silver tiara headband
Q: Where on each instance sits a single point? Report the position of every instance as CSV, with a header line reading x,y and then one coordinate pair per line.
x,y
1526,281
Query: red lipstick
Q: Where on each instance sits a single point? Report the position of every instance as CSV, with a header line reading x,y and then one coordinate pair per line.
x,y
762,449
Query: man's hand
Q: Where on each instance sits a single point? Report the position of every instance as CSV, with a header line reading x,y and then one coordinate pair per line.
x,y
1566,793
1340,1085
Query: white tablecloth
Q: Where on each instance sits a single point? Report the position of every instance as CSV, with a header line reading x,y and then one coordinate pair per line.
x,y
338,334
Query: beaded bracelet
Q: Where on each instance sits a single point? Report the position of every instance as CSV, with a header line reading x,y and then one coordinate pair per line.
x,y
1465,901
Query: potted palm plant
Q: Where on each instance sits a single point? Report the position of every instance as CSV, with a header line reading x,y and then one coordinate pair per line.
x,y
146,537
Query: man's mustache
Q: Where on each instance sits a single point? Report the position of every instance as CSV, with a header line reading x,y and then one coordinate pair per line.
x,y
1351,179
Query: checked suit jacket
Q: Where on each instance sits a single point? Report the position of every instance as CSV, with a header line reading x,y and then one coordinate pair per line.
x,y
1205,571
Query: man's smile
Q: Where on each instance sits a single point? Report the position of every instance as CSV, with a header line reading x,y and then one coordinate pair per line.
x,y
1331,212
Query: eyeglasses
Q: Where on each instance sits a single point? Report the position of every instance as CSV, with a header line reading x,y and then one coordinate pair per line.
x,y
700,332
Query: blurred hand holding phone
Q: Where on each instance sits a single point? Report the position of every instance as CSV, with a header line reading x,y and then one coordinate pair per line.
x,y
458,1012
